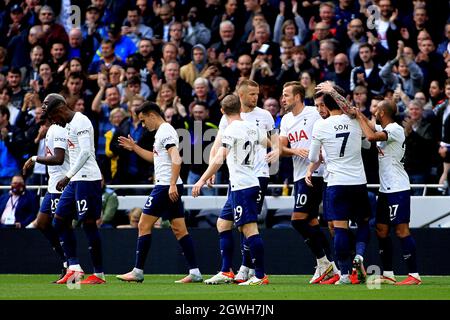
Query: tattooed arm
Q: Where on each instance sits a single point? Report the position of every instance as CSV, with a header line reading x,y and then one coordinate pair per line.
x,y
346,107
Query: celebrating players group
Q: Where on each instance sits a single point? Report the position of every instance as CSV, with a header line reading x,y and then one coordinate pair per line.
x,y
325,144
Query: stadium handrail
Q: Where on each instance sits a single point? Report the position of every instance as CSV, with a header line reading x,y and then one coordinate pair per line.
x,y
224,186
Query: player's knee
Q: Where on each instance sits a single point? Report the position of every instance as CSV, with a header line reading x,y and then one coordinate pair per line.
x,y
224,225
382,231
402,231
144,227
179,230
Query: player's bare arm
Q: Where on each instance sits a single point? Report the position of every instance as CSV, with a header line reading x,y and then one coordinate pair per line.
x,y
369,132
174,155
213,167
313,166
212,154
55,160
289,152
131,145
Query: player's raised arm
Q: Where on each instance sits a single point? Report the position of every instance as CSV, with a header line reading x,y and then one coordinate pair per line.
x,y
346,107
131,145
174,155
368,131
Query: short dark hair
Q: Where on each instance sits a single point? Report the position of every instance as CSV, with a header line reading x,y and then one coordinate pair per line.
x,y
134,80
231,104
366,45
75,75
389,107
330,102
14,70
149,107
297,88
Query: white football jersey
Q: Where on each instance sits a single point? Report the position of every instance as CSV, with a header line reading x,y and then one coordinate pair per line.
x,y
165,137
242,139
340,137
81,127
264,121
298,129
393,177
56,137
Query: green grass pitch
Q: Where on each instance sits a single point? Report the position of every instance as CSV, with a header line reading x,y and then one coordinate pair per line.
x,y
162,287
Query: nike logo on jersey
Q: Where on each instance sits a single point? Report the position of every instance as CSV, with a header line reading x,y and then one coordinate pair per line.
x,y
297,136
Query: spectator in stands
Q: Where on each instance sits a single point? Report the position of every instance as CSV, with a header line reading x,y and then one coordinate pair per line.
x,y
31,71
19,206
162,24
46,83
308,83
14,79
442,112
196,67
131,169
443,48
3,56
169,53
58,60
103,110
436,92
409,75
221,87
430,62
133,28
253,7
133,215
123,46
204,93
386,29
5,100
341,74
106,61
368,74
82,49
273,107
183,48
167,99
230,13
132,72
420,144
362,101
110,204
411,31
196,32
198,124
19,47
90,31
143,57
11,142
227,44
321,32
292,29
53,32
12,24
271,49
323,64
355,37
172,77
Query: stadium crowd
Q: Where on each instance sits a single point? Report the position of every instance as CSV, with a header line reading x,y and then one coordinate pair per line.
x,y
187,55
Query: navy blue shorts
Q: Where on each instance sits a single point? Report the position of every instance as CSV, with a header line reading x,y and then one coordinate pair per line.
x,y
325,211
81,200
394,208
245,205
159,204
227,210
347,203
49,203
307,199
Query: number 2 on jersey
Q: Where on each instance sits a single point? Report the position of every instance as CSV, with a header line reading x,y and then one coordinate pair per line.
x,y
250,148
344,142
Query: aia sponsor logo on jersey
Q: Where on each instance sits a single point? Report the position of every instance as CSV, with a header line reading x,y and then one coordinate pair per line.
x,y
297,136
70,144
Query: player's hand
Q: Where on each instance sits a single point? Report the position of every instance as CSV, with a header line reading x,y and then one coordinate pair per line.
x,y
308,178
301,152
173,192
273,156
29,164
62,184
197,188
210,182
325,87
127,143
